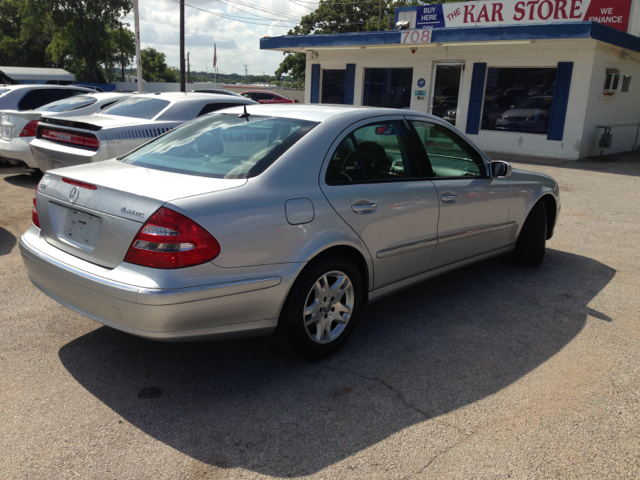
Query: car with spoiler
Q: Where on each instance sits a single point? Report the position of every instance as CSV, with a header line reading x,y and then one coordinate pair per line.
x,y
18,128
120,128
278,219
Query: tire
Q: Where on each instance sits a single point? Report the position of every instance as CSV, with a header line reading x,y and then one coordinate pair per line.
x,y
310,301
532,240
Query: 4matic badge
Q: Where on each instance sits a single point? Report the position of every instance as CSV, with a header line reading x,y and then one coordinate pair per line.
x,y
131,212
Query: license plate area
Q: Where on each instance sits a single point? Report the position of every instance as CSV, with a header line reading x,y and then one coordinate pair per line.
x,y
75,227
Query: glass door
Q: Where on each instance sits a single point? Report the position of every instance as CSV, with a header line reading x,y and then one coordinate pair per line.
x,y
445,89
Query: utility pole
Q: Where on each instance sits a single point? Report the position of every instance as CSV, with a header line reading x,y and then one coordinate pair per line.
x,y
136,18
182,86
379,14
188,68
122,47
246,77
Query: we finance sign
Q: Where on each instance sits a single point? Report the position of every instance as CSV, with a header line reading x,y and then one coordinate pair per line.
x,y
614,13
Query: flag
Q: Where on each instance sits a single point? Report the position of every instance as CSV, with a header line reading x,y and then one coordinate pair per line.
x,y
215,56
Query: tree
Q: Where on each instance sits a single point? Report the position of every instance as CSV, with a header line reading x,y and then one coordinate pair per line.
x,y
341,16
154,66
80,30
25,33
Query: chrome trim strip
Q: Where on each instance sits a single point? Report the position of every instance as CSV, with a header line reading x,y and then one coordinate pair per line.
x,y
407,248
476,231
149,296
382,292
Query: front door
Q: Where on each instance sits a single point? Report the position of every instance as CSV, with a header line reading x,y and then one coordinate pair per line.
x,y
373,182
474,207
445,89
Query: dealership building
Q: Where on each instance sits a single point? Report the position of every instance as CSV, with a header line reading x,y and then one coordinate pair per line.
x,y
537,78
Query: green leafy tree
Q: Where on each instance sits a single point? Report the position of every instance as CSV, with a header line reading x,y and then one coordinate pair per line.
x,y
154,66
25,33
83,33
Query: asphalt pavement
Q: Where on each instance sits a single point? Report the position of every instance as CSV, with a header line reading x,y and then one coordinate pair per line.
x,y
494,371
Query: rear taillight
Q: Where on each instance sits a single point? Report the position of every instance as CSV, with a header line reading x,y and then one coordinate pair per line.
x,y
34,213
171,240
30,129
79,139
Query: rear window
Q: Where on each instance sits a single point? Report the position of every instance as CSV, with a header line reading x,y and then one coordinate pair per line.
x,y
137,107
222,146
71,103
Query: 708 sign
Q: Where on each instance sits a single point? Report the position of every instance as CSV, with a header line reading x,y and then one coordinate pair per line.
x,y
413,37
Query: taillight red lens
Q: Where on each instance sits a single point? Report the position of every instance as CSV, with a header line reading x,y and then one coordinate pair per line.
x,y
30,129
34,213
72,138
171,240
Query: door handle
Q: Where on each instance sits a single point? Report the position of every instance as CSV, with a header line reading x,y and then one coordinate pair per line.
x,y
449,197
364,207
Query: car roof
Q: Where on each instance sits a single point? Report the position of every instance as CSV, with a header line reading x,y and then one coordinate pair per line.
x,y
45,85
320,113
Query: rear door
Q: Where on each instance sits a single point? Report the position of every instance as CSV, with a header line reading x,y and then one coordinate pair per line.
x,y
372,180
474,208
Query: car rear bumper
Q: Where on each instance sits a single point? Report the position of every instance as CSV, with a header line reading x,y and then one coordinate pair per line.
x,y
48,155
17,151
222,310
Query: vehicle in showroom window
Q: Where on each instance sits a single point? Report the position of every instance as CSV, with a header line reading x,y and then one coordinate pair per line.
x,y
18,128
120,128
282,220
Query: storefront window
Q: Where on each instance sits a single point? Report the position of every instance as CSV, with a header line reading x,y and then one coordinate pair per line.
x,y
518,99
387,87
333,82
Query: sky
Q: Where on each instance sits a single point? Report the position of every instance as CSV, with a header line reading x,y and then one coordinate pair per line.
x,y
237,40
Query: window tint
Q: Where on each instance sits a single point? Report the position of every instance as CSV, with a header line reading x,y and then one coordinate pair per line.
x,y
521,97
373,152
222,146
41,96
333,86
263,96
449,155
70,103
137,107
212,107
387,87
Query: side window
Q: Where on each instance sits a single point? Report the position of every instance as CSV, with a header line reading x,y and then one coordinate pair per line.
x,y
449,155
36,98
372,153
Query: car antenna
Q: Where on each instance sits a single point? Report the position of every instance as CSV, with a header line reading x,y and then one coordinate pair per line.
x,y
245,114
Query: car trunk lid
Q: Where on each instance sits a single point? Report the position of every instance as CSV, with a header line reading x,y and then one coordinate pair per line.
x,y
94,211
12,122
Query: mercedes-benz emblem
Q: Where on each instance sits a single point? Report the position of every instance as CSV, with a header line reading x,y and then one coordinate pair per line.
x,y
75,193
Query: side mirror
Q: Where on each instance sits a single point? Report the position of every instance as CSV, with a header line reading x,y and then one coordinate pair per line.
x,y
500,168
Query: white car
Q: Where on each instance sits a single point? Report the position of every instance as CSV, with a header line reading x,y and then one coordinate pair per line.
x,y
120,128
18,129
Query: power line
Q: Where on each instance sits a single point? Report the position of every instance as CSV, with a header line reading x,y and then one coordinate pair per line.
x,y
262,9
236,18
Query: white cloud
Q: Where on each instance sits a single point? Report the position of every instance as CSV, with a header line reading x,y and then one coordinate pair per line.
x,y
237,40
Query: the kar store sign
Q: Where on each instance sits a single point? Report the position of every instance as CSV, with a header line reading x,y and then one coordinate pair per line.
x,y
614,13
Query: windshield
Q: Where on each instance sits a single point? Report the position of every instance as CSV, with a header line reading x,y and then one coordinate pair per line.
x,y
71,103
222,146
543,103
137,107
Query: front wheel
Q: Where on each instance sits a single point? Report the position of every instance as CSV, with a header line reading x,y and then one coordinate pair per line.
x,y
532,240
321,309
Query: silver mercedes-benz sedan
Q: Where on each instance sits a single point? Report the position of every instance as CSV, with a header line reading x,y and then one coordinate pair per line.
x,y
283,220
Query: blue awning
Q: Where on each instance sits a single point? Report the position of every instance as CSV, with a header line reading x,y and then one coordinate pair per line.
x,y
547,31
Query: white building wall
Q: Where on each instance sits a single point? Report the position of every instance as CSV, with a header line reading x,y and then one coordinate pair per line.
x,y
611,110
539,54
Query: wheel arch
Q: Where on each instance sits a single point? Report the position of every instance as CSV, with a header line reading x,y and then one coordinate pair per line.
x,y
551,209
